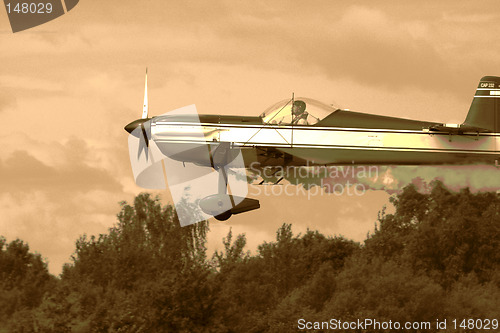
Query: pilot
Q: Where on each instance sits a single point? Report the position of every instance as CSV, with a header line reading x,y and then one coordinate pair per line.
x,y
299,113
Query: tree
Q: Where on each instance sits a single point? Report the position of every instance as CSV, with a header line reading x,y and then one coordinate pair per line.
x,y
436,256
24,279
147,273
255,286
447,234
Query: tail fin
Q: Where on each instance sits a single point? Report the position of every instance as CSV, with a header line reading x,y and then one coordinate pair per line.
x,y
484,111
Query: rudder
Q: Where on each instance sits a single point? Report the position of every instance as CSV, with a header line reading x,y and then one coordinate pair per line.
x,y
484,111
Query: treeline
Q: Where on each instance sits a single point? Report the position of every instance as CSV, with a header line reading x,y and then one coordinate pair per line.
x,y
436,257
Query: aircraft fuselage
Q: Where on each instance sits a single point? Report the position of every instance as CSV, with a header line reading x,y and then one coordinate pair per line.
x,y
298,145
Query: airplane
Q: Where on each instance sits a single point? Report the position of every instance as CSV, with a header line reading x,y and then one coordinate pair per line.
x,y
299,132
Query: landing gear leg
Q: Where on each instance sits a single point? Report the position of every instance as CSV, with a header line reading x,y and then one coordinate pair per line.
x,y
223,190
223,205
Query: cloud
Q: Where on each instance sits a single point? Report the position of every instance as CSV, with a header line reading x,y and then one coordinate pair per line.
x,y
21,172
370,45
357,43
6,101
51,224
29,82
51,196
82,77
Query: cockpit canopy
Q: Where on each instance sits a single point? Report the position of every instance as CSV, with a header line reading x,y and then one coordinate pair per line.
x,y
300,111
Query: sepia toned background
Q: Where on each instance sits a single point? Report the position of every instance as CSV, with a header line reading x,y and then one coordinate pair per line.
x,y
68,87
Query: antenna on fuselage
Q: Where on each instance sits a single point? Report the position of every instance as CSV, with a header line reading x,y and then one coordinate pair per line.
x,y
291,116
145,108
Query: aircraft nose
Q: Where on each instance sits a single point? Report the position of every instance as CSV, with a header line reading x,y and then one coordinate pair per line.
x,y
135,124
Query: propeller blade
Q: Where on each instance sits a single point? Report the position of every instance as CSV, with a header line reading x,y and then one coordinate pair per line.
x,y
145,108
143,143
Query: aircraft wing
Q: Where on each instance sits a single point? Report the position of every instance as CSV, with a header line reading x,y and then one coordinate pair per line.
x,y
457,128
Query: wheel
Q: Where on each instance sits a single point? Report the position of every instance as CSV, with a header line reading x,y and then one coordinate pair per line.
x,y
224,216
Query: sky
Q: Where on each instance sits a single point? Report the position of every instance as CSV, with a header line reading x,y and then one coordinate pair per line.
x,y
68,87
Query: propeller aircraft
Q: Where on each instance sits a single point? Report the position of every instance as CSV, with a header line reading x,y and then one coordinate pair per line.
x,y
181,147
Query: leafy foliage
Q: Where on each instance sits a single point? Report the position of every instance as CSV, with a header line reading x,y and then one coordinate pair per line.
x,y
24,279
436,256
